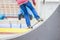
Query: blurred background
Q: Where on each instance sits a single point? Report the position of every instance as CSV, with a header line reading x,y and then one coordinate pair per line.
x,y
45,8
50,30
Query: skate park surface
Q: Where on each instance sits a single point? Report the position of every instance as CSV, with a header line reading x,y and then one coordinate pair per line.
x,y
45,10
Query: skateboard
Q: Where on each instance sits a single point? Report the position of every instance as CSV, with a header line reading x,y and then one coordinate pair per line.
x,y
37,23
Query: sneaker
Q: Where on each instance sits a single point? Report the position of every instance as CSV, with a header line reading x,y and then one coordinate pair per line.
x,y
30,27
40,20
20,16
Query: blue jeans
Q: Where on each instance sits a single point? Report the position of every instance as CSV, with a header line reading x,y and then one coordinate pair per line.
x,y
29,5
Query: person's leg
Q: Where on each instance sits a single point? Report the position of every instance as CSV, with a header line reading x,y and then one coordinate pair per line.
x,y
30,13
20,12
23,7
33,10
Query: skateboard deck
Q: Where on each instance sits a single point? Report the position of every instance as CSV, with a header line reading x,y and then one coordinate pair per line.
x,y
36,23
